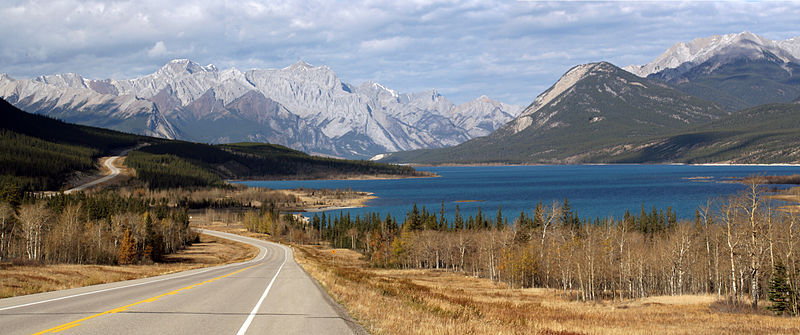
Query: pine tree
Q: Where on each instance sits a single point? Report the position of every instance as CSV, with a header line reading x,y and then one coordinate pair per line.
x,y
499,223
566,213
538,216
414,219
780,294
442,220
458,221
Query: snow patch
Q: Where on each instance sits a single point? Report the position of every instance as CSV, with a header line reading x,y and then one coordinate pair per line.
x,y
379,157
700,50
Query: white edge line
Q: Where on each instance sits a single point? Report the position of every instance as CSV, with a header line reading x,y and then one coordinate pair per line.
x,y
252,315
146,282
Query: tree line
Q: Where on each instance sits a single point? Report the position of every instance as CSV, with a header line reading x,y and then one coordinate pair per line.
x,y
96,228
734,248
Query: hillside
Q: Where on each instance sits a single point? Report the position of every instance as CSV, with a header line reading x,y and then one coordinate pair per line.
x,y
589,115
742,82
175,163
759,135
40,153
766,134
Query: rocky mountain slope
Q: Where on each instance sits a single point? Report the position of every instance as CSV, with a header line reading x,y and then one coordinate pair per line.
x,y
736,70
590,115
301,106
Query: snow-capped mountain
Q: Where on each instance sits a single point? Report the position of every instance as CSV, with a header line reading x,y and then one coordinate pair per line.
x,y
70,97
596,112
302,106
736,71
683,55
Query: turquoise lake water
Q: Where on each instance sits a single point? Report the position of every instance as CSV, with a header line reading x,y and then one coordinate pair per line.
x,y
592,190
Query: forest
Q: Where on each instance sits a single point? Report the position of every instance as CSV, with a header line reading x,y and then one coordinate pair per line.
x,y
127,225
741,249
96,228
41,153
185,164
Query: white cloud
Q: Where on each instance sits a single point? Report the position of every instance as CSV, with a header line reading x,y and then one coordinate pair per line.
x,y
384,45
158,50
465,48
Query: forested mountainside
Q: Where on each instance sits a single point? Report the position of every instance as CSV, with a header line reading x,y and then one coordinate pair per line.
x,y
41,153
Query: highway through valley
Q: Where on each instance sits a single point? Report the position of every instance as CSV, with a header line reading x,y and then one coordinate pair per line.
x,y
270,294
114,172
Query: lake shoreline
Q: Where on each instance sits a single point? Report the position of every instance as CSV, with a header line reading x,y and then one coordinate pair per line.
x,y
605,164
354,177
321,200
592,191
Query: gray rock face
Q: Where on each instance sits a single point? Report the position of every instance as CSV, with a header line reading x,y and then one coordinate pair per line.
x,y
301,106
736,71
681,57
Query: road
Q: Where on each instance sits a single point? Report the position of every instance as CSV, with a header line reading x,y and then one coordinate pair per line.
x,y
270,294
114,172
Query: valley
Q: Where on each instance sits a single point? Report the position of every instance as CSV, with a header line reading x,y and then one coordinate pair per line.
x,y
678,109
654,197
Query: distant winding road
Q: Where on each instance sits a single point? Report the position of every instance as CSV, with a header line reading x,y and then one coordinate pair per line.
x,y
110,165
270,294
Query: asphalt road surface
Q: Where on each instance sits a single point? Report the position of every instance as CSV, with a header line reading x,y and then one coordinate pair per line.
x,y
270,294
110,165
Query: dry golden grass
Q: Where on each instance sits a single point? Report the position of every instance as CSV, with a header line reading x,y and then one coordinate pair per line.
x,y
21,279
317,200
790,198
200,221
438,302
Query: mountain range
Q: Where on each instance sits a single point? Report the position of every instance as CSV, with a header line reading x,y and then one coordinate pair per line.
x,y
685,106
303,107
730,98
39,153
735,70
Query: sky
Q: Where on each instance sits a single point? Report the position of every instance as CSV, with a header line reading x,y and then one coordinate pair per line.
x,y
508,50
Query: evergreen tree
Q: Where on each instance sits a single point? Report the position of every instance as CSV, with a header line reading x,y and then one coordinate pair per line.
x,y
499,217
415,219
458,221
442,220
566,213
538,215
780,293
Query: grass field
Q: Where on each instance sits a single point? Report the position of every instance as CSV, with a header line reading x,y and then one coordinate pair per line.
x,y
437,302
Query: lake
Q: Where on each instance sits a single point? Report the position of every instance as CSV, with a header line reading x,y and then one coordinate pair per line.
x,y
592,190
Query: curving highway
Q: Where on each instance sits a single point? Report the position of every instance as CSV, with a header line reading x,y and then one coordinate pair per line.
x,y
110,165
270,294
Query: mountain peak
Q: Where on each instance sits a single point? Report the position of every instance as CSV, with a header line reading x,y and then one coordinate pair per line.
x,y
5,78
300,65
745,44
183,65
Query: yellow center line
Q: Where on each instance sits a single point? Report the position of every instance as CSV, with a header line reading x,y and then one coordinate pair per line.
x,y
75,323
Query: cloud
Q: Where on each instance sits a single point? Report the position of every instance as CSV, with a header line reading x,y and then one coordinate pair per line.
x,y
503,49
384,45
158,50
